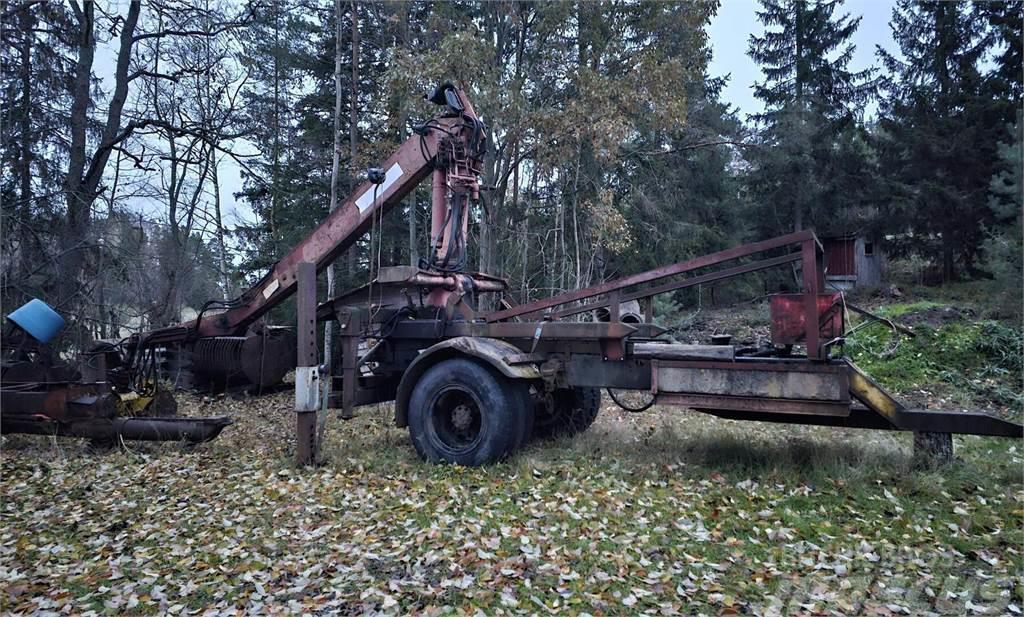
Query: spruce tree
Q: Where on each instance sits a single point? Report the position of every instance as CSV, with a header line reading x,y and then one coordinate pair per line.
x,y
276,45
939,129
1004,247
1006,30
38,71
811,98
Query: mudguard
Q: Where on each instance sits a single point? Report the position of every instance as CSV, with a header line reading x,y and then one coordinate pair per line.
x,y
491,351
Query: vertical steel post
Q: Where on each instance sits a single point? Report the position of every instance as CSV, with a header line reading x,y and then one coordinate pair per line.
x,y
812,283
614,305
307,378
351,328
438,209
649,309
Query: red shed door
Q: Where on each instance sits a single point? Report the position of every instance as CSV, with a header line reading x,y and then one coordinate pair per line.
x,y
839,256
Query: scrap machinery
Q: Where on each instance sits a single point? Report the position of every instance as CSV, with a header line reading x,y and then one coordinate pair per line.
x,y
473,385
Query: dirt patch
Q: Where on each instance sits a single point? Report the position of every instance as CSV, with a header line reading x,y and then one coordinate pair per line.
x,y
746,324
937,316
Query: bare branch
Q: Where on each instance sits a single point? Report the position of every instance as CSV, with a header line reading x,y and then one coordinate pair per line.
x,y
21,7
144,73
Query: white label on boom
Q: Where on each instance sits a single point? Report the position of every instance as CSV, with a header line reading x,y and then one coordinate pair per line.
x,y
366,199
271,288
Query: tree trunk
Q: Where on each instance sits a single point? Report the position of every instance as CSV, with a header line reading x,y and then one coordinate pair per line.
x,y
81,183
353,119
222,261
25,206
25,23
78,200
321,425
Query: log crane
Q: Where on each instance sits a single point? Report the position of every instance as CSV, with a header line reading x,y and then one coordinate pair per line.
x,y
473,386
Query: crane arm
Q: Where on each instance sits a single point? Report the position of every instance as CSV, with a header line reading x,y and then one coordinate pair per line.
x,y
451,145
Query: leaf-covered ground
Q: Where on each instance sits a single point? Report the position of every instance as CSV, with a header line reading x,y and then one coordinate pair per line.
x,y
668,512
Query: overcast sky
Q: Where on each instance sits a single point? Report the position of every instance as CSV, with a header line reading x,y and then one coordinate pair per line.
x,y
736,21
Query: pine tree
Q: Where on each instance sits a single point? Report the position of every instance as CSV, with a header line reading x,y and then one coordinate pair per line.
x,y
812,98
276,47
939,128
37,75
1004,247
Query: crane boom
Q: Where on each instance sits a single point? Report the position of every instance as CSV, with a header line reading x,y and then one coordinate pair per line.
x,y
451,146
404,170
227,341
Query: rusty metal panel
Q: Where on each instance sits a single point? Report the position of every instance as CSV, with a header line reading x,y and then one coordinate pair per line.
x,y
776,384
679,351
586,370
756,404
789,317
839,256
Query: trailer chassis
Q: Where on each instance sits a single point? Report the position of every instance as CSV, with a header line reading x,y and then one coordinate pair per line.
x,y
390,341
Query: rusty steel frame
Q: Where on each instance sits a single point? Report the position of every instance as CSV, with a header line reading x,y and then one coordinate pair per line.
x,y
414,160
90,410
813,279
337,232
646,294
916,420
754,404
193,430
801,237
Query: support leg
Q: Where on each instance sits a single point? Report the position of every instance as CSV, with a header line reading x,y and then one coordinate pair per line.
x,y
932,449
307,382
349,373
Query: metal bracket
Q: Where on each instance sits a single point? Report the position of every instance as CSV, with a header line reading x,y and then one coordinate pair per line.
x,y
307,388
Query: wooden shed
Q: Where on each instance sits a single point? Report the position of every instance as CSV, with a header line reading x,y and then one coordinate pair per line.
x,y
852,261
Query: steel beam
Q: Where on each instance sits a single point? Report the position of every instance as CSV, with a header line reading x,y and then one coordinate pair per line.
x,y
761,405
813,283
656,274
703,279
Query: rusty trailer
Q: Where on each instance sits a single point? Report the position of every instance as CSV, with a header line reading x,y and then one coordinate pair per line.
x,y
474,385
396,349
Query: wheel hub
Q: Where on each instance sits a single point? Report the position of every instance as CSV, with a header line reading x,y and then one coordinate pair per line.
x,y
549,403
462,417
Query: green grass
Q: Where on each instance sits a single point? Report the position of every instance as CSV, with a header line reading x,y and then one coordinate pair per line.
x,y
894,311
969,362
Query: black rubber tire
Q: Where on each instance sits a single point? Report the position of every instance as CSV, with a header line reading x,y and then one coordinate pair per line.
x,y
575,410
462,411
526,401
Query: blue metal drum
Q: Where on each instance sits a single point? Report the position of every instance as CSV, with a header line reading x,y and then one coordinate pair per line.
x,y
38,319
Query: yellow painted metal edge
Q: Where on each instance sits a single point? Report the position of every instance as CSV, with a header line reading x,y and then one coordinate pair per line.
x,y
864,389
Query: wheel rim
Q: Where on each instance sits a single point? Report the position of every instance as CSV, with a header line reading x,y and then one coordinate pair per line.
x,y
456,420
545,410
